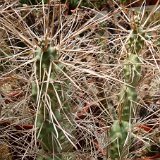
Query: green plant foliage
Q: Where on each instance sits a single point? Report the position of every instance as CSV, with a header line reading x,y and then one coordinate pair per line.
x,y
74,3
87,3
33,2
122,1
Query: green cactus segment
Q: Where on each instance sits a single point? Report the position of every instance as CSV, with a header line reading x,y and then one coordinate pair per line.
x,y
136,42
53,104
43,60
132,70
48,56
128,97
34,90
118,135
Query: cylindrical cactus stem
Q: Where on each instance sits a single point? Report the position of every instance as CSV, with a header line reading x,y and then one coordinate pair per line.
x,y
119,133
128,97
132,70
50,136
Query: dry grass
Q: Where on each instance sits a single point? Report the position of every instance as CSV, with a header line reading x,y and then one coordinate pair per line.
x,y
92,48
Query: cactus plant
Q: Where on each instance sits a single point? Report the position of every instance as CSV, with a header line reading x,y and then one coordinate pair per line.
x,y
121,128
52,106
